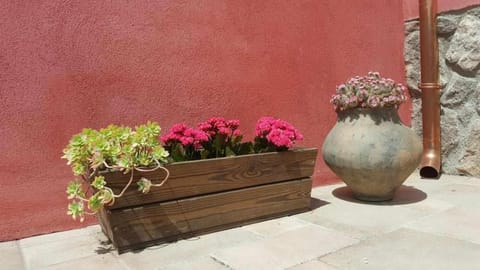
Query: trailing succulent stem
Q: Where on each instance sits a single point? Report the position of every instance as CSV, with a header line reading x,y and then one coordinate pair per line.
x,y
114,148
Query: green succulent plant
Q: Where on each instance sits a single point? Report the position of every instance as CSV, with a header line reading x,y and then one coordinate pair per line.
x,y
112,148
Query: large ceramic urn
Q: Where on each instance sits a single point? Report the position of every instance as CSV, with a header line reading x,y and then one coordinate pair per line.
x,y
372,151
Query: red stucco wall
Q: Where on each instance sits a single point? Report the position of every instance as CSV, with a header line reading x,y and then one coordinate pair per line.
x,y
66,65
410,7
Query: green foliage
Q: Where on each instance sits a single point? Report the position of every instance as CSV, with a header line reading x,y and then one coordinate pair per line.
x,y
74,189
236,147
115,148
219,145
222,145
179,152
99,182
75,209
95,202
144,185
262,145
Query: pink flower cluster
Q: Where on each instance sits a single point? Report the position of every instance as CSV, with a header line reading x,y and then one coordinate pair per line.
x,y
218,125
278,132
185,135
369,91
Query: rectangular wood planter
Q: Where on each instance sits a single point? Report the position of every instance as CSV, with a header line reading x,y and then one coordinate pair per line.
x,y
208,195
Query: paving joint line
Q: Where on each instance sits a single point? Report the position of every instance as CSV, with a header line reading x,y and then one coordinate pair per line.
x,y
22,255
221,262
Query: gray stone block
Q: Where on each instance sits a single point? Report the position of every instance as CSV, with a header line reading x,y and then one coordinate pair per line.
x,y
458,91
470,162
464,48
445,25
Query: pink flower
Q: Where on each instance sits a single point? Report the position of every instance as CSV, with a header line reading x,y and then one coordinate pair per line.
x,y
233,124
218,125
353,101
277,132
224,130
181,133
393,99
373,101
264,126
369,91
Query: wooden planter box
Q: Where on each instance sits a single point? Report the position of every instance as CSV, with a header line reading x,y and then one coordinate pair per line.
x,y
208,195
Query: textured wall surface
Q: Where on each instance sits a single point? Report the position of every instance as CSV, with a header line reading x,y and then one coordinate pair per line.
x,y
459,57
66,65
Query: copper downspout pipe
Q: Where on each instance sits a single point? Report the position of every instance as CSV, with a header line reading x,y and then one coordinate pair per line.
x,y
431,158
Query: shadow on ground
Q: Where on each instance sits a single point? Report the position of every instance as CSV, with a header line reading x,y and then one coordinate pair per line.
x,y
316,203
404,195
105,247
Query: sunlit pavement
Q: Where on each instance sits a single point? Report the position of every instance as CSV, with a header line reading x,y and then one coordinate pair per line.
x,y
431,224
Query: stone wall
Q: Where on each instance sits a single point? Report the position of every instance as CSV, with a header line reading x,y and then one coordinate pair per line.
x,y
459,55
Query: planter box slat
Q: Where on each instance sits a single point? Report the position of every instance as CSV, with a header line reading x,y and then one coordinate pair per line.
x,y
138,227
200,177
208,195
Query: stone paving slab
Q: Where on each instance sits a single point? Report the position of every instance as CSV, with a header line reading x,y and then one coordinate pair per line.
x,y
186,250
41,252
87,232
362,220
284,250
197,263
10,256
99,261
313,265
465,195
407,249
458,223
277,226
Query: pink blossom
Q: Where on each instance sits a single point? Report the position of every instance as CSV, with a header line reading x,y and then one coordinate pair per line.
x,y
368,91
264,126
392,99
353,101
278,132
224,130
373,101
233,124
181,133
218,125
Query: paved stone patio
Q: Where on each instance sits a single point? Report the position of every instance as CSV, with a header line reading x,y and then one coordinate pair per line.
x,y
431,224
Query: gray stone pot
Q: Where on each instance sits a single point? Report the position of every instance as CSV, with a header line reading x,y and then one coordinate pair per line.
x,y
372,152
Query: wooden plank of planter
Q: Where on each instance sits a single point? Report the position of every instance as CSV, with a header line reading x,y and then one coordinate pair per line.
x,y
193,178
160,222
